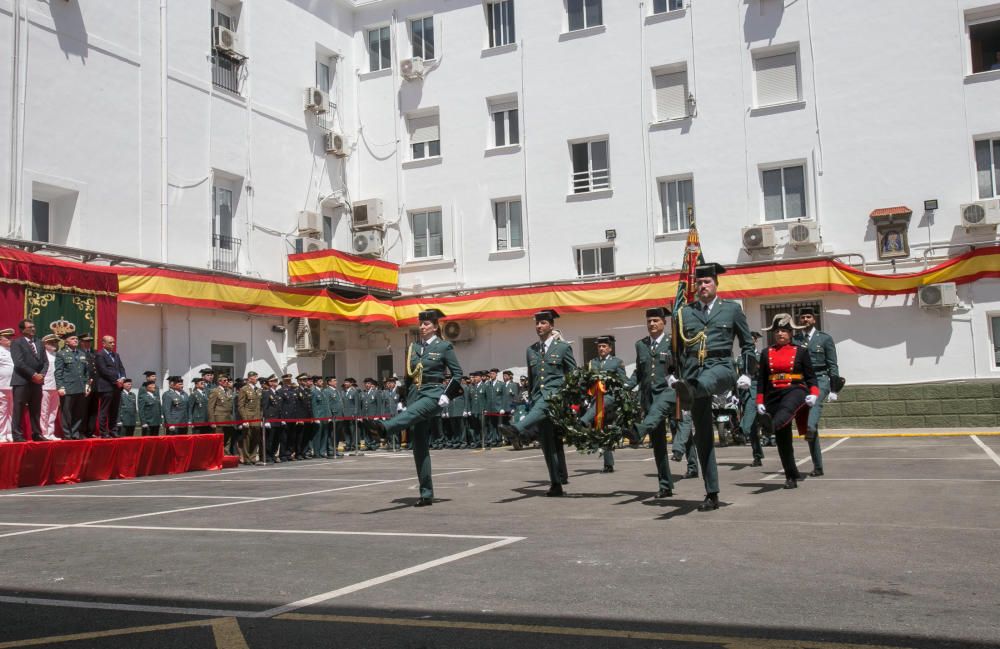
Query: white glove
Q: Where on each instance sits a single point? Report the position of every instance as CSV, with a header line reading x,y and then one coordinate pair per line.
x,y
761,409
399,407
145,425
811,400
466,414
743,382
671,380
267,424
443,400
444,415
503,412
239,426
831,397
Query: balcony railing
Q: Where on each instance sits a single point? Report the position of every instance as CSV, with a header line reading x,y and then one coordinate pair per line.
x,y
225,253
226,73
591,181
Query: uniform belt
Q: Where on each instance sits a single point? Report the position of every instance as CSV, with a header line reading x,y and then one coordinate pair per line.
x,y
823,369
785,377
719,353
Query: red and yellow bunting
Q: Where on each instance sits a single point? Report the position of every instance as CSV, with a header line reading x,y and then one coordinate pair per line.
x,y
158,286
332,264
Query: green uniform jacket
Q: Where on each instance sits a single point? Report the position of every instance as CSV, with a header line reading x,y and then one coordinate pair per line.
x,y
72,370
474,394
610,365
370,403
198,407
458,405
127,409
220,404
822,352
725,323
498,396
336,400
547,370
248,402
352,402
150,410
510,395
320,403
437,358
175,408
653,364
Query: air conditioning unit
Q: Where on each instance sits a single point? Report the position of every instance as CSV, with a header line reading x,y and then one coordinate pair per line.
x,y
803,233
367,243
938,296
307,335
758,237
335,143
367,214
310,222
981,214
459,331
224,39
309,244
412,69
316,101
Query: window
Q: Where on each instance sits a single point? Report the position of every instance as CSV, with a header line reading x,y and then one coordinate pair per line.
x,y
224,359
995,328
39,220
425,137
500,22
776,78
671,94
226,68
595,261
505,123
663,6
583,14
676,198
784,193
422,37
378,49
427,238
590,166
323,77
984,42
328,230
507,216
383,366
225,247
988,168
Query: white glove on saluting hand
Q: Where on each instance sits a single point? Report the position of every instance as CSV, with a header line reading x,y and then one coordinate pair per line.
x,y
443,400
671,379
831,397
743,382
399,407
811,400
761,410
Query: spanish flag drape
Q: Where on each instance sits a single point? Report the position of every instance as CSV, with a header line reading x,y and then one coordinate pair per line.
x,y
333,264
814,277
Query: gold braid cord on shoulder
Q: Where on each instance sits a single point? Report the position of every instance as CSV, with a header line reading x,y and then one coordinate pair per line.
x,y
700,338
415,374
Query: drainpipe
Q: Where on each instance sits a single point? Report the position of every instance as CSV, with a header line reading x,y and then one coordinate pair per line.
x,y
164,177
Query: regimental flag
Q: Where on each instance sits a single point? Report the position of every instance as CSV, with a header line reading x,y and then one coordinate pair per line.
x,y
61,313
307,267
685,281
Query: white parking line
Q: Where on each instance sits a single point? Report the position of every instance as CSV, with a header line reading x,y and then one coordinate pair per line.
x,y
993,456
47,495
526,457
808,459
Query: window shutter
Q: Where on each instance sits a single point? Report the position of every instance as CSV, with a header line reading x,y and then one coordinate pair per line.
x,y
777,79
671,95
424,129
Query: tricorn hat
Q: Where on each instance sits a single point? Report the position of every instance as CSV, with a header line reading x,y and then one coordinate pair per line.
x,y
607,340
658,312
174,379
546,314
432,315
807,310
782,321
712,270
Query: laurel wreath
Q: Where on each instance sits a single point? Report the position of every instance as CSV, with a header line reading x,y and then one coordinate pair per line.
x,y
567,406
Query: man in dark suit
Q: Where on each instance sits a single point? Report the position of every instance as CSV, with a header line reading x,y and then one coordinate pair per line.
x,y
30,365
110,377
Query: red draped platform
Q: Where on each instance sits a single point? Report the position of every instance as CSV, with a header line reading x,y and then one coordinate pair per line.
x,y
28,464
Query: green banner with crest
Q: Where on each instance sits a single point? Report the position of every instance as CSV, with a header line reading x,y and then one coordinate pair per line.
x,y
60,313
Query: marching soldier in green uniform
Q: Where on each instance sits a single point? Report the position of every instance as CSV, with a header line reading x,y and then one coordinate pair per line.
x,y
73,378
150,410
427,362
654,371
336,398
708,328
321,410
823,354
549,361
198,407
607,363
175,406
127,412
248,408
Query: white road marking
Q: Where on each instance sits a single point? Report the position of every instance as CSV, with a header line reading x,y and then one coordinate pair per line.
x,y
808,459
240,530
110,606
987,449
55,495
526,457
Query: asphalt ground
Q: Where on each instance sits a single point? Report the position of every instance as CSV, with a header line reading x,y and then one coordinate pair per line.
x,y
895,546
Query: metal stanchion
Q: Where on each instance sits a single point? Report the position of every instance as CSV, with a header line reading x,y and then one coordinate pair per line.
x,y
357,442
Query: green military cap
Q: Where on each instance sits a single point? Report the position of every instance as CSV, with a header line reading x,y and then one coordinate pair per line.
x,y
251,373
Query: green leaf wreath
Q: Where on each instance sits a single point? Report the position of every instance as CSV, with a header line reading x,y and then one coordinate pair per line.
x,y
568,405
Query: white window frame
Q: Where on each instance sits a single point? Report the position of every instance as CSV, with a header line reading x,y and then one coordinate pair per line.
x,y
426,234
589,21
773,52
669,6
992,316
783,167
324,84
221,187
663,190
579,251
383,57
222,365
497,27
680,68
596,179
502,108
422,19
993,151
506,203
972,19
230,13
423,149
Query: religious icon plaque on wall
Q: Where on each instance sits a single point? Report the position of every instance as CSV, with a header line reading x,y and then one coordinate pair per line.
x,y
893,242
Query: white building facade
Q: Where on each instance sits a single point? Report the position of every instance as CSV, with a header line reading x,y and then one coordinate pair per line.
x,y
511,143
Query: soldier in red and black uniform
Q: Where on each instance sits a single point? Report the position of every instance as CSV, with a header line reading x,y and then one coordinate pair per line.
x,y
786,382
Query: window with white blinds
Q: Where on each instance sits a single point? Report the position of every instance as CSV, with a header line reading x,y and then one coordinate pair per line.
x,y
425,136
777,79
671,90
